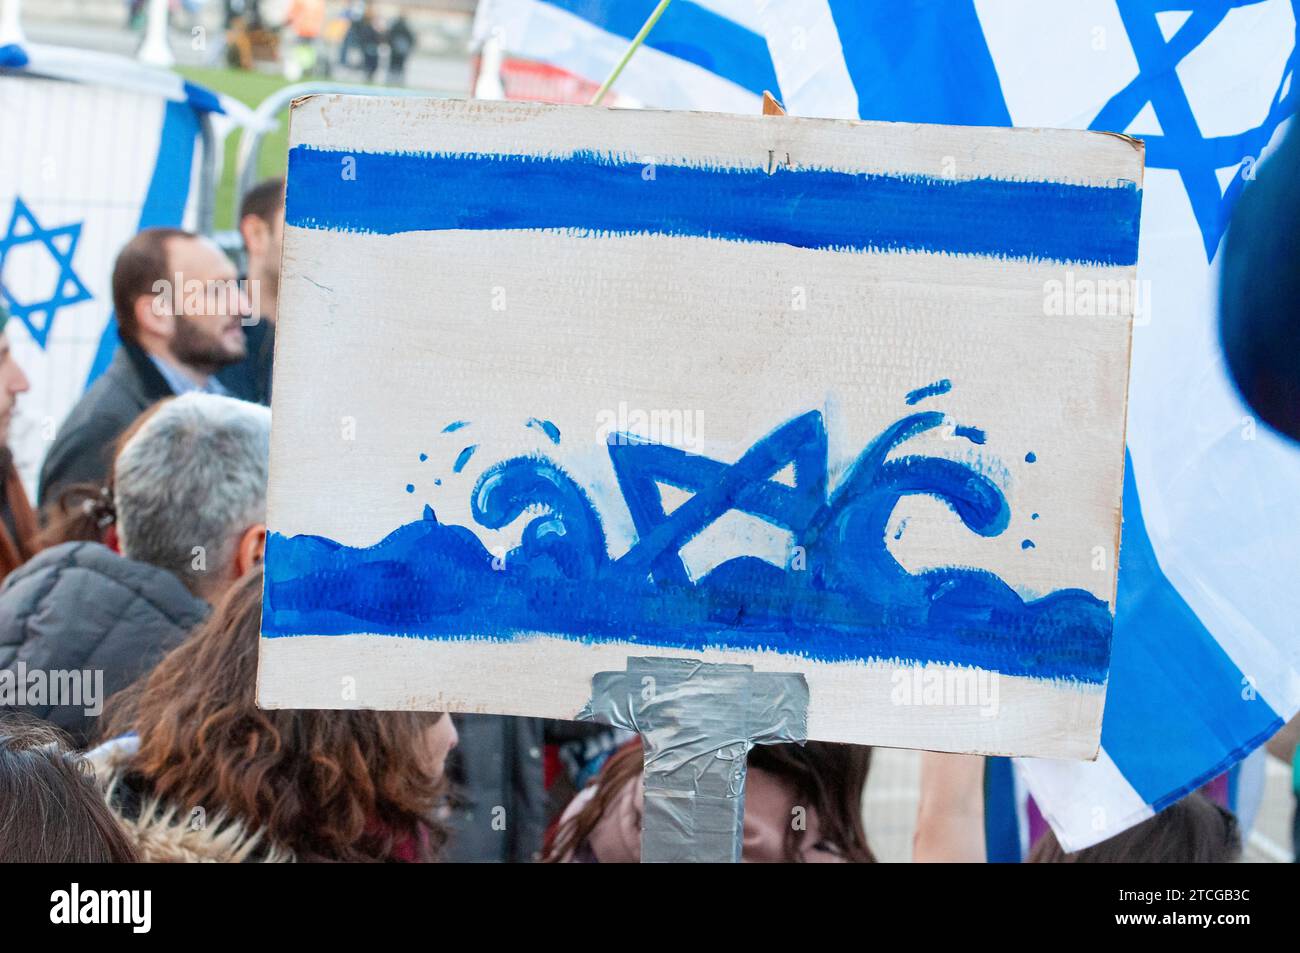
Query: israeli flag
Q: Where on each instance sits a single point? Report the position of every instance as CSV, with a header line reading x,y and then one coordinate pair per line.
x,y
97,147
1206,659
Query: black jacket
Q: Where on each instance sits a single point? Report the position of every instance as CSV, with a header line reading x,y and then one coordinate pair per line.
x,y
83,447
250,379
497,773
80,607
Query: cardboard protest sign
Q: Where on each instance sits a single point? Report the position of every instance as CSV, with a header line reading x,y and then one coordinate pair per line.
x,y
556,386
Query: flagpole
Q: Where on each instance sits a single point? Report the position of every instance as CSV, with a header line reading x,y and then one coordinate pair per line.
x,y
636,43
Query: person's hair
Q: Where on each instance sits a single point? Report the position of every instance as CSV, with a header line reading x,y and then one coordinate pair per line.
x,y
347,785
263,200
828,778
1194,830
84,512
141,263
51,811
193,475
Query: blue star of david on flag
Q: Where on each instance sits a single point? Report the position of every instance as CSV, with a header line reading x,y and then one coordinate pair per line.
x,y
1181,146
914,61
60,243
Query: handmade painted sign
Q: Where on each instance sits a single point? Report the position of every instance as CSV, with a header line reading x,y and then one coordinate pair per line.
x,y
557,386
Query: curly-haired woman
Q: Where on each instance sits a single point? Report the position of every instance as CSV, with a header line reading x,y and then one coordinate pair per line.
x,y
197,772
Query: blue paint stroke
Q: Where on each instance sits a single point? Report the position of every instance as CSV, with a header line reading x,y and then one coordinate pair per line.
x,y
545,426
1031,457
455,425
601,195
850,600
1026,544
423,457
973,434
463,458
929,390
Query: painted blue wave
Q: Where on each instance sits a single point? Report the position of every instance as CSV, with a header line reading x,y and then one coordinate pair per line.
x,y
841,597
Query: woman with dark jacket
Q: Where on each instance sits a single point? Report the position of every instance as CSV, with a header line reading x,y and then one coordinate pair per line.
x,y
196,771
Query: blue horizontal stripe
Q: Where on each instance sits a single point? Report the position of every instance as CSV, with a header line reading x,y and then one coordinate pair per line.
x,y
1179,711
391,193
689,32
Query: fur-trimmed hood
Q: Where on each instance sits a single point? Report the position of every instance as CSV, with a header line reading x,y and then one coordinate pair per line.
x,y
170,834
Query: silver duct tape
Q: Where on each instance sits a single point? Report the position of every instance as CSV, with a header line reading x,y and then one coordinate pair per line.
x,y
697,722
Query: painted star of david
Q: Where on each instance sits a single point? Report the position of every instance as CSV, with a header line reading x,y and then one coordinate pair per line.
x,y
61,244
1180,146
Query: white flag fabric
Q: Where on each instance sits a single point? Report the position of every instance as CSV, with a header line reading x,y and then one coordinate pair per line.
x,y
1206,652
97,148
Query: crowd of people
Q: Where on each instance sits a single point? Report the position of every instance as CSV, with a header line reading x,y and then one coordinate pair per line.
x,y
309,41
142,572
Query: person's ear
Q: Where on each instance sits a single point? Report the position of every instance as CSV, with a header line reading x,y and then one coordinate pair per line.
x,y
252,545
255,235
154,313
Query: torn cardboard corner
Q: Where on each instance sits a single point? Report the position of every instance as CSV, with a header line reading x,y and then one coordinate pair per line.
x,y
698,722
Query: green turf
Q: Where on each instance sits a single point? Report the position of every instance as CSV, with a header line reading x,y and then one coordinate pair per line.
x,y
250,89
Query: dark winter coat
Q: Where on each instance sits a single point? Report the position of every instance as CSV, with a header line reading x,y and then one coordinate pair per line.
x,y
80,607
82,449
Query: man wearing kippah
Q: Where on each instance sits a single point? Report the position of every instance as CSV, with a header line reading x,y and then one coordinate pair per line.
x,y
17,521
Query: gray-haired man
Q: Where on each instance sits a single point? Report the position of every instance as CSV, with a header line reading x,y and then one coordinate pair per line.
x,y
190,500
